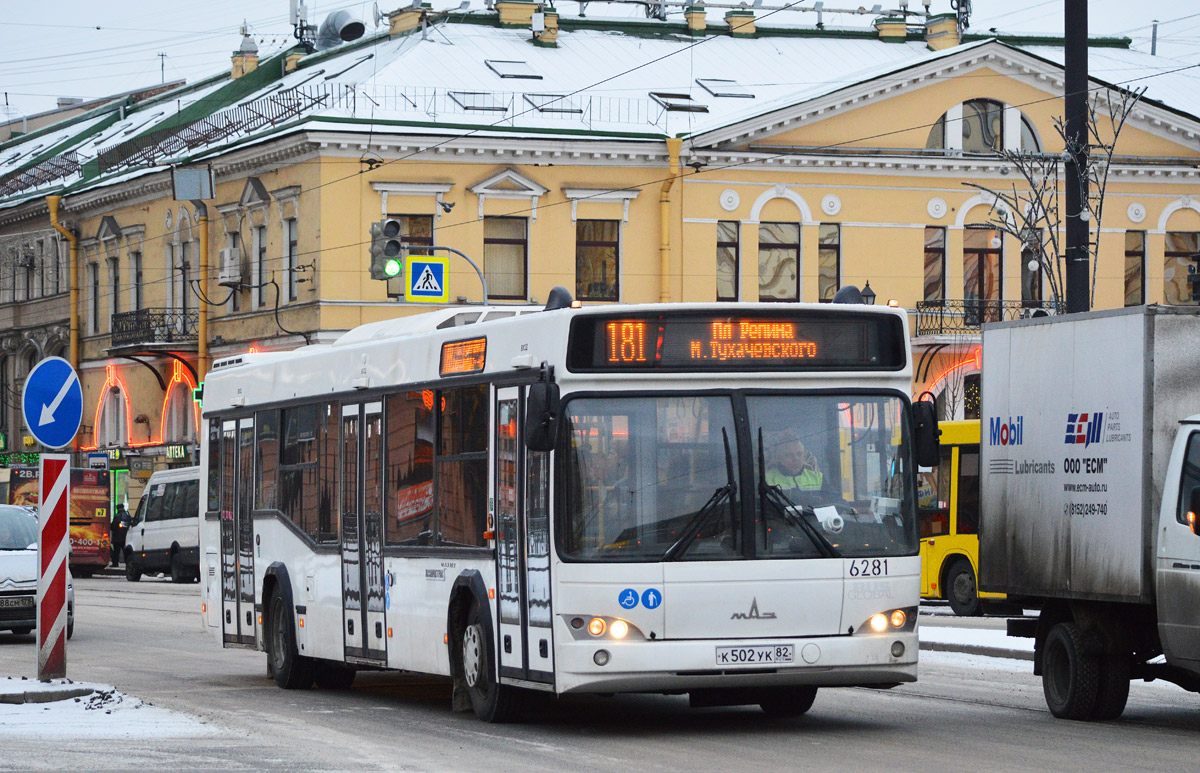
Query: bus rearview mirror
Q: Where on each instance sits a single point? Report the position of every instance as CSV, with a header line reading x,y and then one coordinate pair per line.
x,y
1193,508
541,416
926,433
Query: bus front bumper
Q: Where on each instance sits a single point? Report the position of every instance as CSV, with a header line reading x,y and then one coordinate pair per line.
x,y
680,665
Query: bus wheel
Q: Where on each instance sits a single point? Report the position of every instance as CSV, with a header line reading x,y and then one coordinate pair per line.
x,y
1070,677
491,701
132,573
787,701
333,676
292,671
178,574
960,588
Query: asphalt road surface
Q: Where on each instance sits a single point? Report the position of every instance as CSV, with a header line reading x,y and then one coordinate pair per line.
x,y
965,714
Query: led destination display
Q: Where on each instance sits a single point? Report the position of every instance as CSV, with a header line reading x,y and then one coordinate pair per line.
x,y
785,341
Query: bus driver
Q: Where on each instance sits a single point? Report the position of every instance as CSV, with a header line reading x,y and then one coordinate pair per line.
x,y
793,466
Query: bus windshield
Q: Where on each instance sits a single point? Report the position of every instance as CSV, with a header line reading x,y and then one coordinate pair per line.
x,y
831,469
661,478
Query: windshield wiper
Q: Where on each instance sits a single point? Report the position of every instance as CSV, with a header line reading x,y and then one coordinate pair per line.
x,y
700,520
787,508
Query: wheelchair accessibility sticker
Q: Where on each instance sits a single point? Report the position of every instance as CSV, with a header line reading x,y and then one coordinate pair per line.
x,y
650,598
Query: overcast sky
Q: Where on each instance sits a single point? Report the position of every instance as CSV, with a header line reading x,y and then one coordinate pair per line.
x,y
84,48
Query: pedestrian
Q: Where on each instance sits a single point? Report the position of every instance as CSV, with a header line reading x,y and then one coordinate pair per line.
x,y
120,525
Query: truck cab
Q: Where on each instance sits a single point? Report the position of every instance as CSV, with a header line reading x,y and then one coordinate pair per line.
x,y
1178,562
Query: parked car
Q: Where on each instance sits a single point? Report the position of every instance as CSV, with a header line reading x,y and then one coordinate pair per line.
x,y
19,573
164,535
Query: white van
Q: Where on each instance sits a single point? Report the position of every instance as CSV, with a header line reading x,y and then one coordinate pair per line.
x,y
165,532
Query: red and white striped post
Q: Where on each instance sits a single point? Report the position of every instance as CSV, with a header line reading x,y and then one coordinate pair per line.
x,y
53,549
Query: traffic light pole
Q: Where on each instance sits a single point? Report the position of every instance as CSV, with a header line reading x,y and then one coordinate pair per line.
x,y
424,249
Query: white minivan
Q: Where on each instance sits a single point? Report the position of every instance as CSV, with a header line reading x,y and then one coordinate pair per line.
x,y
165,533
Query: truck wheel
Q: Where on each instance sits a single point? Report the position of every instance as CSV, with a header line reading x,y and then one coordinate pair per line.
x,y
787,702
132,573
1070,677
960,590
292,671
1113,687
490,700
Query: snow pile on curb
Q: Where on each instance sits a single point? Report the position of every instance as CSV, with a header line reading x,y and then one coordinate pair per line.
x,y
66,709
972,637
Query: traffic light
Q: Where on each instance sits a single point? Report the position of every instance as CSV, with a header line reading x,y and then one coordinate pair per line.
x,y
387,251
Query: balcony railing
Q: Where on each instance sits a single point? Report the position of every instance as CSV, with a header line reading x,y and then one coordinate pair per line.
x,y
154,326
965,317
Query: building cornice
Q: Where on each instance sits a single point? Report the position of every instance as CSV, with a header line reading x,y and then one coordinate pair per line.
x,y
532,151
926,166
1021,66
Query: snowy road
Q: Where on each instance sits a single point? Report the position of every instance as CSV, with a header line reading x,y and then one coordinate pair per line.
x,y
215,709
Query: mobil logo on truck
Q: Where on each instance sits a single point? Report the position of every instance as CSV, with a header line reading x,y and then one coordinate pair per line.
x,y
1011,433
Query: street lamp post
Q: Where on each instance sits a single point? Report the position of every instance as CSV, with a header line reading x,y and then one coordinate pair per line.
x,y
868,295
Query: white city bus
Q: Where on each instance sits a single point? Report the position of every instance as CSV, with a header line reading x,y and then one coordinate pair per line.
x,y
575,500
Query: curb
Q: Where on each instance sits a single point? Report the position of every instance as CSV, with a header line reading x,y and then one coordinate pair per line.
x,y
975,649
46,695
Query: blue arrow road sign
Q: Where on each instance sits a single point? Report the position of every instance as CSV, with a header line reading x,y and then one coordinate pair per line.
x,y
52,402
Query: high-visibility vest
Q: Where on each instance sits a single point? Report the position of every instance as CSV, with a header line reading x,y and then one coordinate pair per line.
x,y
807,479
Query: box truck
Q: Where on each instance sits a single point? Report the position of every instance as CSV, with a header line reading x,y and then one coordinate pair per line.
x,y
1090,489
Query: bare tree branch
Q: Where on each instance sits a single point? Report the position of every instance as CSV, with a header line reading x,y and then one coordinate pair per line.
x,y
1030,209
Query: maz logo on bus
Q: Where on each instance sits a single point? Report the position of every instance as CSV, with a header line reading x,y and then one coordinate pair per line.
x,y
753,614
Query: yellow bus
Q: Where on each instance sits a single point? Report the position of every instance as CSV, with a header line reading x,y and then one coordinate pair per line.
x,y
948,512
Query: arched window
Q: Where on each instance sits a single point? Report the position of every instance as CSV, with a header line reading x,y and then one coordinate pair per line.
x,y
180,419
980,126
112,429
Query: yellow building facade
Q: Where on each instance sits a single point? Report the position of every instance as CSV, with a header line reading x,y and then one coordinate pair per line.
x,y
709,190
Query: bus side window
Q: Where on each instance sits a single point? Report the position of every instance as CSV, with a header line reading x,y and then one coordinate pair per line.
x,y
191,499
968,490
408,497
171,501
141,510
934,497
461,474
214,465
154,508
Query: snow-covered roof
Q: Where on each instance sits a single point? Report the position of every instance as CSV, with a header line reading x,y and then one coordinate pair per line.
x,y
605,79
1173,83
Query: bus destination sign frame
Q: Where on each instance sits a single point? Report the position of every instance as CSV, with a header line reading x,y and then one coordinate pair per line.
x,y
759,340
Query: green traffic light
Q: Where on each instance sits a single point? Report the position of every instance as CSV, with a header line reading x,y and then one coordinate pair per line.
x,y
392,268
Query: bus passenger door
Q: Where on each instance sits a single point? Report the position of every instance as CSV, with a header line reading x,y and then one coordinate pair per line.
x,y
509,563
237,533
245,532
522,547
363,591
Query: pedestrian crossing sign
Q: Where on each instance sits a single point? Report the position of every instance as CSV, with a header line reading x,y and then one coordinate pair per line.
x,y
427,280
